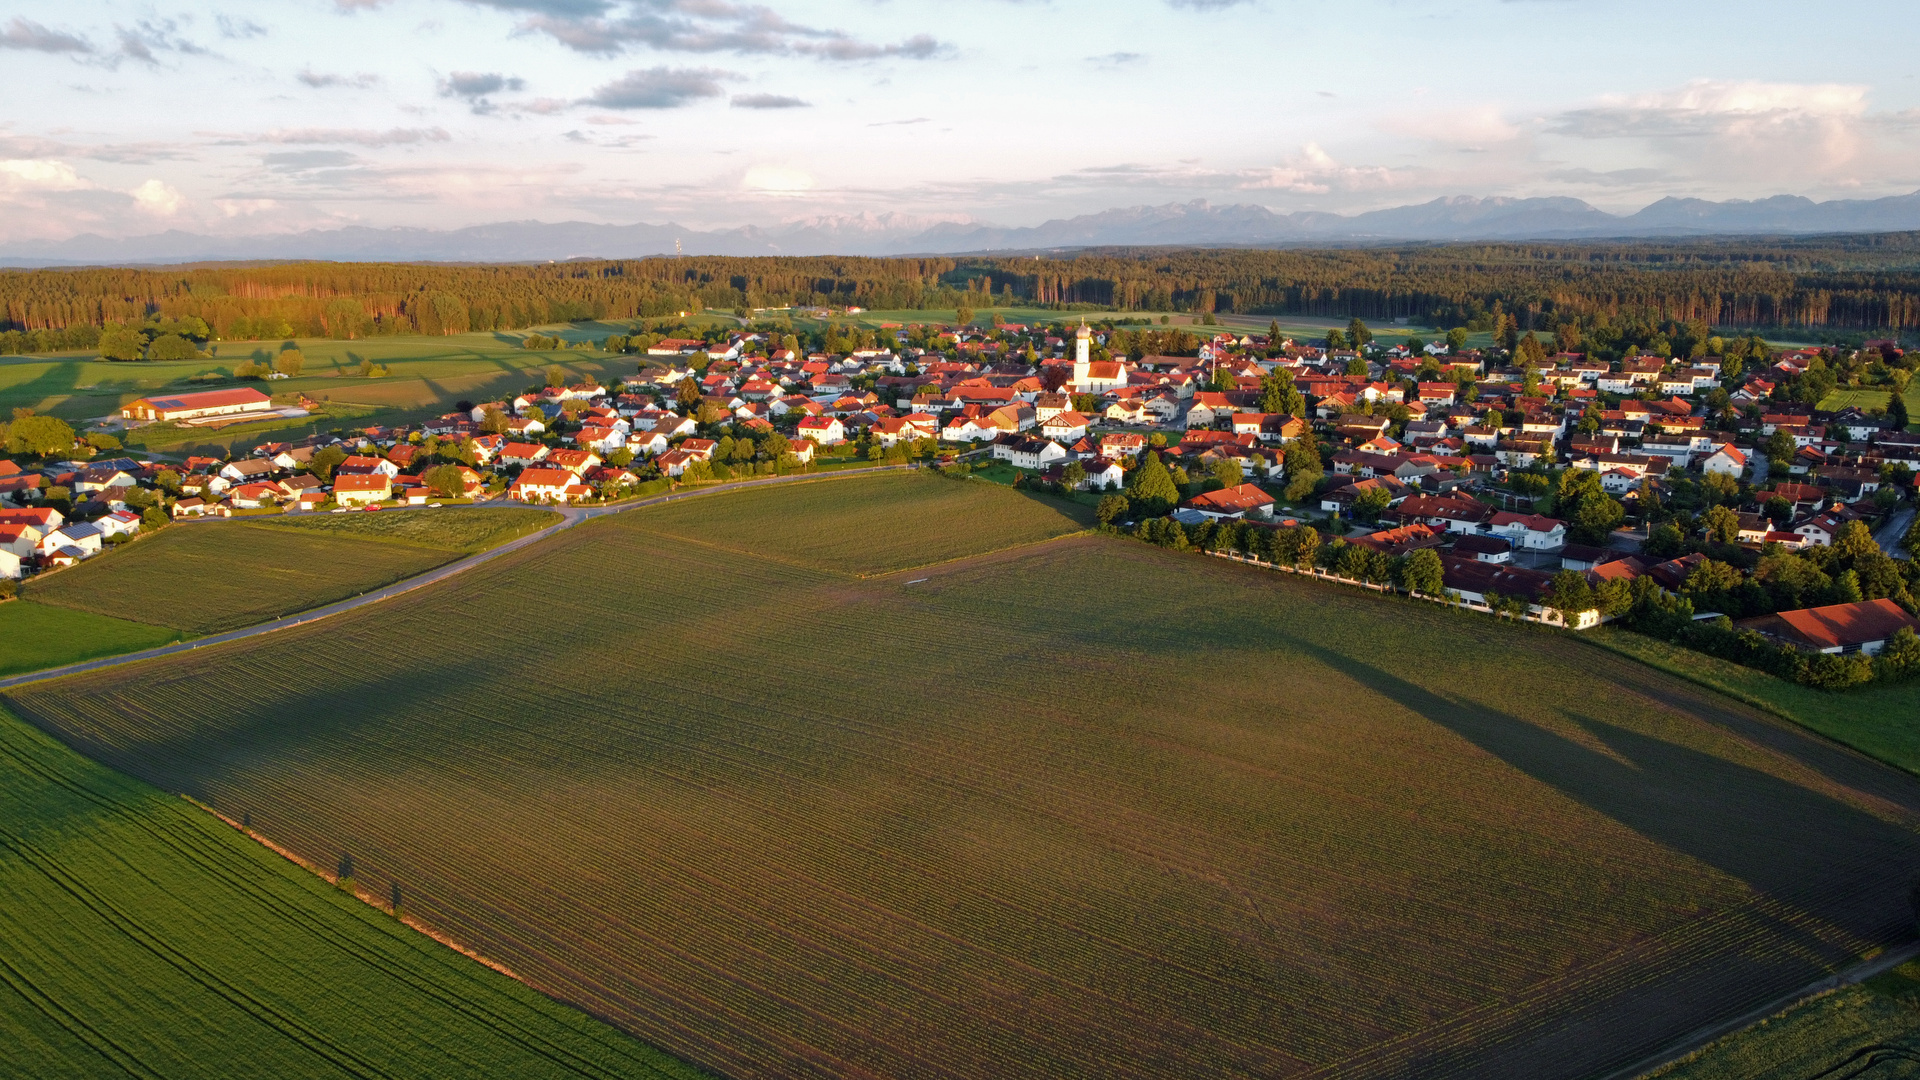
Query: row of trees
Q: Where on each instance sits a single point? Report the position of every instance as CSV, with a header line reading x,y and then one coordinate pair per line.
x,y
1606,293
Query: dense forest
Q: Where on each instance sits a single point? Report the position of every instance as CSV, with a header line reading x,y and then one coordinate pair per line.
x,y
1839,284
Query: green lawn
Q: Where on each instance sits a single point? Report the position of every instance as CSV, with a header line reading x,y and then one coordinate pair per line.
x,y
35,636
1816,1037
1877,720
146,938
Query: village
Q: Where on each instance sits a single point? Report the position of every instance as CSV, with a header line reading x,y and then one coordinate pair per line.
x,y
1546,486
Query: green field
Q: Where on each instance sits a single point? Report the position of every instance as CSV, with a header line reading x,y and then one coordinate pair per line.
x,y
206,578
900,520
1877,719
1085,808
36,636
145,938
454,528
1873,1027
1859,399
426,376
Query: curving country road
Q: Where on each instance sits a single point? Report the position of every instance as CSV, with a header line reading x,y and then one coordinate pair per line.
x,y
569,517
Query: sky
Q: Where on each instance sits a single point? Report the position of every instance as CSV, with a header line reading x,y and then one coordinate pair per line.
x,y
128,119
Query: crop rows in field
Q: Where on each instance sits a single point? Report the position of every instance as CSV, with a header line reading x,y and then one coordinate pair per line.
x,y
1086,809
146,939
210,577
457,528
882,523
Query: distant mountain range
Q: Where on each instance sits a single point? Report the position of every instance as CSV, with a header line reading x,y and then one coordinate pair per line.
x,y
1194,223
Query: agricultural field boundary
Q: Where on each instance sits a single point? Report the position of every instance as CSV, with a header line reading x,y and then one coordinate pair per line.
x,y
1705,1037
569,518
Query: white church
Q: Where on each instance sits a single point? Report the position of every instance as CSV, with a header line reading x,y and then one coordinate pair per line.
x,y
1090,377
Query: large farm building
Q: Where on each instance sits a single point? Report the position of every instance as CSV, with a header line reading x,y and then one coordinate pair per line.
x,y
194,406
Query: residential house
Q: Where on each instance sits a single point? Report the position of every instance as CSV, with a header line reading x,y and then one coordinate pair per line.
x,y
548,485
1863,627
1726,460
1243,501
1031,453
823,430
1531,531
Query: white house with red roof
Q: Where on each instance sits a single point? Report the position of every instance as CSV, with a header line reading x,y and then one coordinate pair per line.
x,y
823,430
1532,531
1727,460
548,485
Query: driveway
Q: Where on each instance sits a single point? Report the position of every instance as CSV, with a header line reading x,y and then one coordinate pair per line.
x,y
1896,528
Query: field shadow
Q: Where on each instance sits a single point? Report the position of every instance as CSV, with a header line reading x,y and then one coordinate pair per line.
x,y
1784,840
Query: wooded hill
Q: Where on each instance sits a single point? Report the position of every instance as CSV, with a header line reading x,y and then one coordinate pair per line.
x,y
1861,283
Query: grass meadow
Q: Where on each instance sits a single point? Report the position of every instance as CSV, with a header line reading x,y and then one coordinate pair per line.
x,y
1876,720
36,636
210,577
146,938
1076,809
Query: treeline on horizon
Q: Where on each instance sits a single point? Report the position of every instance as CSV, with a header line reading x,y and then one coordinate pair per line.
x,y
1843,284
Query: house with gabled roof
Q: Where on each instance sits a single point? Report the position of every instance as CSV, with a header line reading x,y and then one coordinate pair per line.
x,y
1861,627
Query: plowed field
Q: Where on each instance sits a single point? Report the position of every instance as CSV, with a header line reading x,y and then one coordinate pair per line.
x,y
1077,809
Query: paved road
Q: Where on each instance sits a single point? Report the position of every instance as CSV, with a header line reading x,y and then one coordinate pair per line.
x,y
1894,531
569,517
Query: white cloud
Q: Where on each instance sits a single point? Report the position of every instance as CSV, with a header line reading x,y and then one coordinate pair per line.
x,y
1315,172
776,180
39,174
157,197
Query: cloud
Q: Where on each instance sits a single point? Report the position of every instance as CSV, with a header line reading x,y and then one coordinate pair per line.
x,y
474,84
776,180
902,123
1711,107
22,34
320,80
1315,172
1206,5
475,87
151,36
40,174
1116,59
293,161
238,29
1473,128
157,197
700,26
769,101
659,88
351,136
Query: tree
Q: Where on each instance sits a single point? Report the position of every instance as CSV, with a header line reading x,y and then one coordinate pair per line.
x,y
1279,396
38,436
688,393
448,480
325,460
1223,379
963,315
1336,340
1424,574
1357,368
1570,595
1227,472
1372,503
289,362
1110,509
1073,475
172,347
154,518
555,376
1901,656
1150,487
1358,333
493,421
1855,541
1897,410
119,342
1722,525
1303,469
1457,339
1273,334
1780,448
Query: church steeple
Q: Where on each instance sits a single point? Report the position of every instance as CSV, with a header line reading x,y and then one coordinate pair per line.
x,y
1082,349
